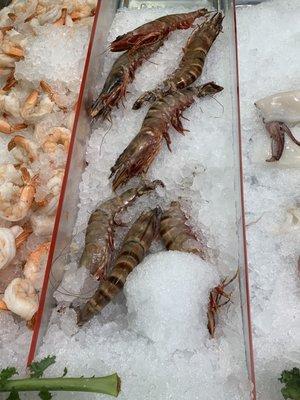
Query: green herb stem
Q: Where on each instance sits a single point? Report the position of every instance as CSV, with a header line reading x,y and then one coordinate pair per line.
x,y
107,385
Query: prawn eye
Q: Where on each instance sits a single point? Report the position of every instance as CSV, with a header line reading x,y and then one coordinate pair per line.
x,y
119,37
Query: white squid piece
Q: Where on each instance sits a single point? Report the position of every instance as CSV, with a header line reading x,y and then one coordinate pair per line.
x,y
20,297
283,107
279,111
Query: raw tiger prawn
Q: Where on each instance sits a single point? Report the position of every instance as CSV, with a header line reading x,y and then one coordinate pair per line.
x,y
156,30
192,63
133,250
99,239
121,74
139,154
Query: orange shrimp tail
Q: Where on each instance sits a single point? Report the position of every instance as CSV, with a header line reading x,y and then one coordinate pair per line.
x,y
30,324
62,20
39,252
3,306
27,231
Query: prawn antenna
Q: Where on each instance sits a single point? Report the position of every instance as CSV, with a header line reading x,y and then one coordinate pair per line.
x,y
220,104
151,62
104,136
105,50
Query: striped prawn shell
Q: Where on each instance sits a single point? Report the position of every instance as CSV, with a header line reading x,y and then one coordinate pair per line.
x,y
157,29
133,250
142,150
99,239
120,76
195,52
192,62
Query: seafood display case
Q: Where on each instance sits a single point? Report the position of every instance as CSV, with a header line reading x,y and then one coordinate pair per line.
x,y
220,174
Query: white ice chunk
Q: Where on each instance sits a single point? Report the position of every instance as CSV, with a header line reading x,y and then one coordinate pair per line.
x,y
60,62
168,293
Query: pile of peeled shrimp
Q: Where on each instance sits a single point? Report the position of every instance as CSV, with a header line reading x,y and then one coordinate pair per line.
x,y
35,123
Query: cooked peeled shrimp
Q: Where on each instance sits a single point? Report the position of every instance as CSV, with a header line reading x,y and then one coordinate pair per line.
x,y
59,100
6,61
18,210
9,104
49,204
9,174
12,44
10,82
42,225
29,104
7,128
34,268
8,246
57,137
24,9
48,14
83,11
23,149
20,297
36,108
63,18
13,51
5,71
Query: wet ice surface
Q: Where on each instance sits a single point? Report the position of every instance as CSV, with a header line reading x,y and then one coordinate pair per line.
x,y
62,62
199,171
14,342
161,347
268,65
